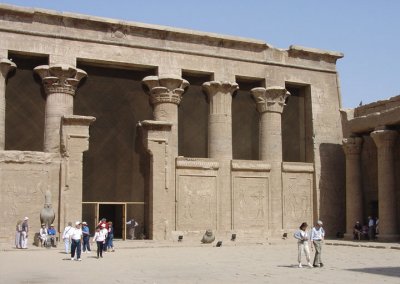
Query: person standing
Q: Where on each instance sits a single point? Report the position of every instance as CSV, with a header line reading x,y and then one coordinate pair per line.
x,y
100,238
24,233
371,228
86,237
317,238
110,237
18,231
76,244
132,225
302,243
65,236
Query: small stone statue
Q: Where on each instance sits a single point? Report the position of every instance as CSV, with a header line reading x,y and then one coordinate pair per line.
x,y
208,237
47,215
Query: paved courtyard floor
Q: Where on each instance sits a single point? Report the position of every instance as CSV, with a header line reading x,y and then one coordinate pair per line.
x,y
147,262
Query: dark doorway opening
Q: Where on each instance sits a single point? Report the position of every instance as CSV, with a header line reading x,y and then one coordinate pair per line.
x,y
113,213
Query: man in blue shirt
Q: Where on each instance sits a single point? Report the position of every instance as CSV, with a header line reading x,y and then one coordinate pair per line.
x,y
86,238
51,232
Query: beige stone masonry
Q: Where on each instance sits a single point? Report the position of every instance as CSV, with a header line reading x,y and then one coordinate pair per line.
x,y
5,67
388,222
60,83
74,141
220,118
354,195
161,198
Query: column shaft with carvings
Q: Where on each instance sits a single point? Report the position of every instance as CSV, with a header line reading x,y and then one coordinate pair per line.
x,y
220,118
354,196
270,102
60,83
5,66
387,201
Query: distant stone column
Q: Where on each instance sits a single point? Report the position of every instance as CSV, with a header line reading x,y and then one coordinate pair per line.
x,y
166,93
354,196
60,83
5,66
220,118
270,102
388,225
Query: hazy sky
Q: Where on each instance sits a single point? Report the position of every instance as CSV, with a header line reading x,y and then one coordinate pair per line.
x,y
366,31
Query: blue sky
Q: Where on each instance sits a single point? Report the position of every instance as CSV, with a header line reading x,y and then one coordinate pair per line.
x,y
367,32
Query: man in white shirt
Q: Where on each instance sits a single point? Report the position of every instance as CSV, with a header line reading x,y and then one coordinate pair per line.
x,y
317,237
65,236
76,240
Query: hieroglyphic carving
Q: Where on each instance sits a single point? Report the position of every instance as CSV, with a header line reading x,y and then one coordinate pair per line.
x,y
250,202
297,201
196,207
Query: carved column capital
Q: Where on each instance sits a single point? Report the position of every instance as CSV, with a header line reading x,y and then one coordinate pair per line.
x,y
384,138
352,146
213,87
6,66
165,88
271,99
60,78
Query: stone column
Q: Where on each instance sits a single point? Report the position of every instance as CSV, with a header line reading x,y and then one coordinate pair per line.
x,y
5,66
388,224
165,93
220,118
354,196
60,83
270,102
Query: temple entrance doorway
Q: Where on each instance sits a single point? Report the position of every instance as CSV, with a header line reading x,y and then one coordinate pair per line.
x,y
116,214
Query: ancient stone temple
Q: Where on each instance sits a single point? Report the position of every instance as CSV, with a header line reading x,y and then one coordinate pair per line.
x,y
372,152
184,131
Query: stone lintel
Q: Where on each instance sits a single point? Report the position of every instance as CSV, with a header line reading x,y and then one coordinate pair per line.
x,y
196,163
78,120
371,121
314,53
155,125
247,165
31,157
297,167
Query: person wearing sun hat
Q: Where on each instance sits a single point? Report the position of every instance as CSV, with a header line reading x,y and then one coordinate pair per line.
x,y
317,237
86,237
76,237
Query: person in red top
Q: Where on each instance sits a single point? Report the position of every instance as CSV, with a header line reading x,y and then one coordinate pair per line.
x,y
103,221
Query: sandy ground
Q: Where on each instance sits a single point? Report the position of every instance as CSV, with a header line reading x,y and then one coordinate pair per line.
x,y
147,262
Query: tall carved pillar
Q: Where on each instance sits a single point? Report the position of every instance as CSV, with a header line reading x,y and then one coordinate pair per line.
x,y
165,93
270,102
5,66
220,118
354,196
388,223
60,83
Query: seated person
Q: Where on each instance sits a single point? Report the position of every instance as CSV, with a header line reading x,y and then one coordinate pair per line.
x,y
357,231
52,234
43,235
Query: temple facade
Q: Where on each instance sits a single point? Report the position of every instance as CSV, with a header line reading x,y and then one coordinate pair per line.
x,y
371,146
182,130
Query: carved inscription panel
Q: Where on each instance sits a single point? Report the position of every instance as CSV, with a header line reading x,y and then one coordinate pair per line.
x,y
21,194
197,203
250,202
297,199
